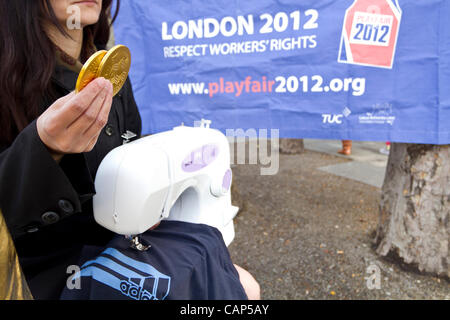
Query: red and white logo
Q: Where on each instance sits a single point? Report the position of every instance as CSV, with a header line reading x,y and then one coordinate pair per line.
x,y
369,34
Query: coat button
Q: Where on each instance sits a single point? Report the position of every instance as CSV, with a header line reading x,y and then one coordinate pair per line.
x,y
109,130
50,217
65,206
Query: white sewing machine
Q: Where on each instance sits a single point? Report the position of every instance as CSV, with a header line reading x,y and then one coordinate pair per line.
x,y
183,174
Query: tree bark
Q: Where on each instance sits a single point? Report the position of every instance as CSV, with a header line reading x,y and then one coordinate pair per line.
x,y
291,146
415,207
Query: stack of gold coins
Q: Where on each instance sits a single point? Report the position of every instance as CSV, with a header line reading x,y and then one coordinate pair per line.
x,y
112,65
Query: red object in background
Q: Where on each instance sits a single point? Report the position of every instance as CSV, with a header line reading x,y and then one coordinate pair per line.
x,y
370,31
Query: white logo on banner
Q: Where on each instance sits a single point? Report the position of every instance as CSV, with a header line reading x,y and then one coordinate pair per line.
x,y
381,114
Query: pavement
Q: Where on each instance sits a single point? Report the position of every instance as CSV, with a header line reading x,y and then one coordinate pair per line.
x,y
368,164
307,232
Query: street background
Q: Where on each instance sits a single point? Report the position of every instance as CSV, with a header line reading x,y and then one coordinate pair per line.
x,y
307,232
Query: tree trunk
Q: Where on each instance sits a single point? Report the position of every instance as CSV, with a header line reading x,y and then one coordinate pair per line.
x,y
415,207
291,146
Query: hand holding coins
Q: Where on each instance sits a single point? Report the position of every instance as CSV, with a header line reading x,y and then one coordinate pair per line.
x,y
73,123
112,65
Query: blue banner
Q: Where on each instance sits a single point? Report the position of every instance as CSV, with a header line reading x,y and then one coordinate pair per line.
x,y
374,70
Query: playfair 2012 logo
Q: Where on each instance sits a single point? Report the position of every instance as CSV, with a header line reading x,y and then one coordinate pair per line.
x,y
370,32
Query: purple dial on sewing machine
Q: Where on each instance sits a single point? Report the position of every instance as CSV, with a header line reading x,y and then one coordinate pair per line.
x,y
200,158
226,181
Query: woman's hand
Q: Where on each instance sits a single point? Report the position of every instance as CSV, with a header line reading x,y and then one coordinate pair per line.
x,y
73,123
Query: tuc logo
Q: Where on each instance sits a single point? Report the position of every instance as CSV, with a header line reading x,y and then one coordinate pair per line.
x,y
369,33
332,118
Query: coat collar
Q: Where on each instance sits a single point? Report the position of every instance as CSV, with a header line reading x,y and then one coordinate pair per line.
x,y
65,78
67,69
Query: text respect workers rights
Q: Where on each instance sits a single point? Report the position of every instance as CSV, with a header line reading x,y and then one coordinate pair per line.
x,y
227,27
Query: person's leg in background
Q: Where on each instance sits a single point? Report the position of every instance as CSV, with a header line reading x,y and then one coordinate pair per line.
x,y
346,147
386,148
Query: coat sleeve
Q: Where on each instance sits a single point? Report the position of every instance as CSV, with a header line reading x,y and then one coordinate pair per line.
x,y
34,189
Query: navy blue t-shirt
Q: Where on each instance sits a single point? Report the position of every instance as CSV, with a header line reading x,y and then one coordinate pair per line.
x,y
185,261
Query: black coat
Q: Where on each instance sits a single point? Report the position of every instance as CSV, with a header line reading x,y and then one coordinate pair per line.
x,y
48,206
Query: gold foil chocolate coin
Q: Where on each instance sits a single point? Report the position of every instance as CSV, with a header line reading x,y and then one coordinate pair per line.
x,y
115,66
89,70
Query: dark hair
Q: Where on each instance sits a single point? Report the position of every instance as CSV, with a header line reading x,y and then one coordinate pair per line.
x,y
27,58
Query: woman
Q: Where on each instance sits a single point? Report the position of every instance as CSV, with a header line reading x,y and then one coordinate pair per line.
x,y
51,139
